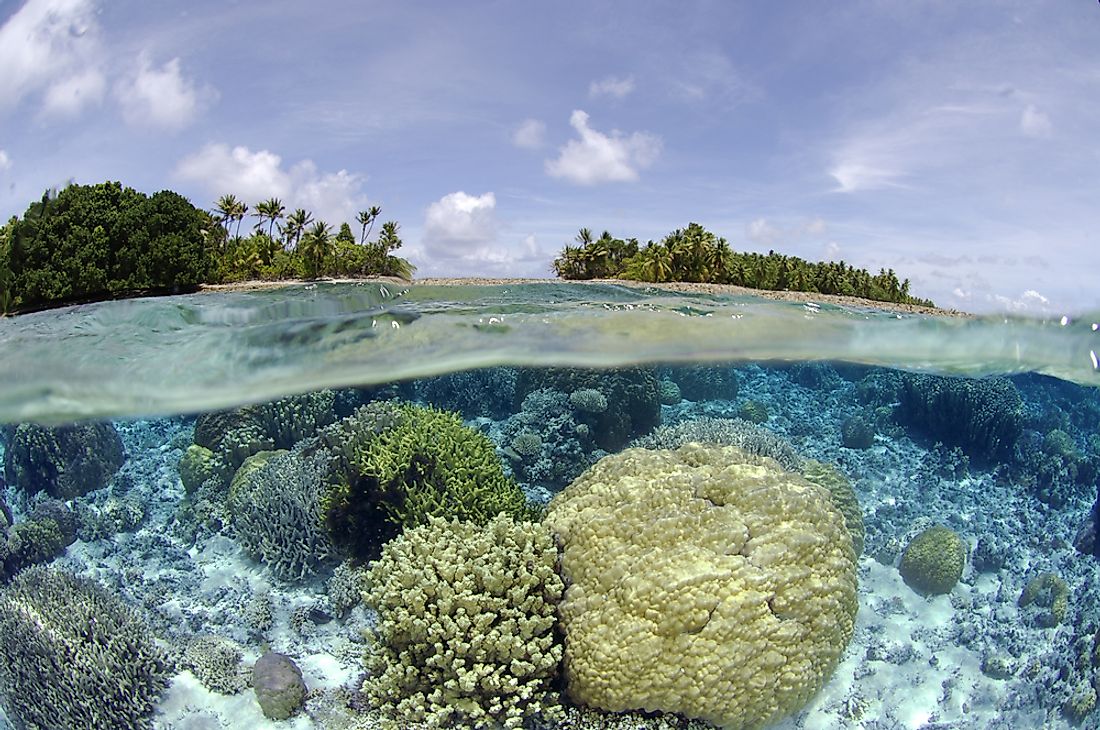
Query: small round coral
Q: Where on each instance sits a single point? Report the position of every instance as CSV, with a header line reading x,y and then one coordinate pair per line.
x,y
934,560
704,581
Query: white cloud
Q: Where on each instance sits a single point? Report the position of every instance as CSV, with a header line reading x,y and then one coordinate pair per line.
x,y
709,75
531,134
611,86
462,236
832,251
333,197
1034,123
51,46
68,96
597,158
854,175
5,161
458,225
1029,302
161,97
763,232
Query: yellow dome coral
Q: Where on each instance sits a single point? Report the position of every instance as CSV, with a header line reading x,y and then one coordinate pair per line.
x,y
703,581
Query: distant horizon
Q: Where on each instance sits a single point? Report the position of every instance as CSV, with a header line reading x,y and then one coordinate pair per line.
x,y
953,143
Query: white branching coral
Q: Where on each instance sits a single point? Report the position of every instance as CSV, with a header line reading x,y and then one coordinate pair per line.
x,y
465,636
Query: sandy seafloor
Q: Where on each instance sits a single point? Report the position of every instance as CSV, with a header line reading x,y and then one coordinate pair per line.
x,y
914,662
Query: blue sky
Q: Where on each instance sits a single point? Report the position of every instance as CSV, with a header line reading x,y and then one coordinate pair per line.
x,y
957,142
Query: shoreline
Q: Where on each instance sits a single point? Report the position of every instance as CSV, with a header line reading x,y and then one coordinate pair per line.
x,y
678,286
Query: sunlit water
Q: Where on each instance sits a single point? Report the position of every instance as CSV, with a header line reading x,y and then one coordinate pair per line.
x,y
1006,646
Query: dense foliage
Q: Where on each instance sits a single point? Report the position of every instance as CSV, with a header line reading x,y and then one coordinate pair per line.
x,y
694,254
100,241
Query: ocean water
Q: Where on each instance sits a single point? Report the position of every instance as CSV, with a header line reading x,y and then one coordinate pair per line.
x,y
192,483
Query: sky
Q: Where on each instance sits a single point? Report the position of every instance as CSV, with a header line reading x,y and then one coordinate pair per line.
x,y
955,142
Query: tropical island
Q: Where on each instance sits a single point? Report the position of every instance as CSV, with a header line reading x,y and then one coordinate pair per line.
x,y
106,241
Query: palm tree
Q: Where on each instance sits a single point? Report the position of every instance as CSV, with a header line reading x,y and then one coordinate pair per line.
x,y
270,210
367,218
229,209
388,240
584,236
296,224
316,247
656,263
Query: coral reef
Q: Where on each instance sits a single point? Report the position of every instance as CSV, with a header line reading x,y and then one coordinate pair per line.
x,y
473,393
75,656
428,463
632,394
216,662
933,561
857,433
545,443
842,495
1047,597
235,435
723,432
753,411
705,382
466,624
278,516
705,581
984,417
345,587
199,464
668,392
64,462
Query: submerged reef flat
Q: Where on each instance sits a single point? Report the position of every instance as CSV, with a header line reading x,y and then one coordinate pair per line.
x,y
798,545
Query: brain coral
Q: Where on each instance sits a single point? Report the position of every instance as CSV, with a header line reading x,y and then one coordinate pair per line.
x,y
704,581
933,561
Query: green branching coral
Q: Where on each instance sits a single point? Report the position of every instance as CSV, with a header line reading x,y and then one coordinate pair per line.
x,y
75,656
466,624
429,464
934,560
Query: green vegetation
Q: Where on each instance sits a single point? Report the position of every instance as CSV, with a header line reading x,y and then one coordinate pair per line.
x,y
90,242
694,254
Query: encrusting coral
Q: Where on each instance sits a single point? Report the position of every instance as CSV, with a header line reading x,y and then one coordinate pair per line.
x,y
704,581
465,636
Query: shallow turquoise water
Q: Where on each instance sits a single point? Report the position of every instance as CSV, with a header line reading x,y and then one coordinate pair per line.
x,y
206,351
550,378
